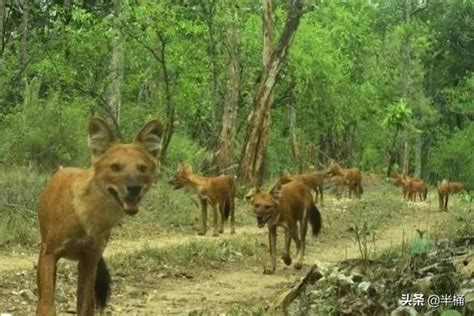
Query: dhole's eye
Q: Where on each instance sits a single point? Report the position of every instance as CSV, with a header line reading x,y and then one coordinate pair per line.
x,y
267,207
142,168
115,167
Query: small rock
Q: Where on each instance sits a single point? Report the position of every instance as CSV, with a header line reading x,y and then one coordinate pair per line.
x,y
356,277
27,295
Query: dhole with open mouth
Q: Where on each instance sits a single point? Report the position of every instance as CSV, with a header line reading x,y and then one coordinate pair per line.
x,y
79,208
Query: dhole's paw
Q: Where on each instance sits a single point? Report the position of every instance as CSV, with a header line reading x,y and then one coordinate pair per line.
x,y
215,234
298,265
221,231
201,233
268,271
286,259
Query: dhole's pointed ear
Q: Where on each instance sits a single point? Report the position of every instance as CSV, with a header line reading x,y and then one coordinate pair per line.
x,y
101,137
150,137
251,193
276,191
187,167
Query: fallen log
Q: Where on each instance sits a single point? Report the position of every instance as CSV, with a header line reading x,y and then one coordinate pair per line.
x,y
285,299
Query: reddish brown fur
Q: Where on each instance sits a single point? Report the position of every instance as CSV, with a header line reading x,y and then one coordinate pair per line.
x,y
446,188
411,186
443,194
352,175
456,187
313,180
217,191
286,206
78,209
339,181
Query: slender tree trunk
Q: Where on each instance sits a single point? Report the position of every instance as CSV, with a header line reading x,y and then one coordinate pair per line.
x,y
406,156
169,104
391,152
224,152
208,8
115,83
418,156
24,50
295,151
2,21
251,163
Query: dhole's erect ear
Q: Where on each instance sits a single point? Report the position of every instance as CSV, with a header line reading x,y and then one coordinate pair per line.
x,y
150,137
101,137
276,192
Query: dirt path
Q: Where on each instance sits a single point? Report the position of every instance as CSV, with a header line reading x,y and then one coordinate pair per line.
x,y
235,285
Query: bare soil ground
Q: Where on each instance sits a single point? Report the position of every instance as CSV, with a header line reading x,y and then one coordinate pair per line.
x,y
235,286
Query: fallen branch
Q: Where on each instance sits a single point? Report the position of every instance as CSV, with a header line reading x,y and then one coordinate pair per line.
x,y
285,299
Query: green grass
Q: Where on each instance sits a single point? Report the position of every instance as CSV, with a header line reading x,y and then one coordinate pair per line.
x,y
20,189
199,253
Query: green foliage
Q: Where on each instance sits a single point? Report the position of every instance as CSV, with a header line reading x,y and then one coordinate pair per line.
x,y
421,245
20,191
451,157
356,72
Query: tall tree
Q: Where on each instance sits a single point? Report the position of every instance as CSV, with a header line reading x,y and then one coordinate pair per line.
x,y
224,152
251,162
115,81
2,21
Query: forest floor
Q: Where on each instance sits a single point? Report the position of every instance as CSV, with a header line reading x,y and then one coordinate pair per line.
x,y
160,266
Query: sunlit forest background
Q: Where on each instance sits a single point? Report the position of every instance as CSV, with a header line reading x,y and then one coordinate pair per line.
x,y
383,85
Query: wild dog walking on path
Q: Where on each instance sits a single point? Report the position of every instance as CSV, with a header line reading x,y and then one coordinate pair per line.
x,y
411,187
217,192
339,181
286,206
313,180
78,209
445,188
352,175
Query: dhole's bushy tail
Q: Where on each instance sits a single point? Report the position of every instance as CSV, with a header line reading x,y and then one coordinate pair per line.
x,y
361,189
425,193
102,284
226,209
315,219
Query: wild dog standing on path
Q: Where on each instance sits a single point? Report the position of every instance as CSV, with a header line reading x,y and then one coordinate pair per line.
x,y
416,187
352,175
78,209
404,181
339,181
313,180
286,206
443,194
445,188
217,192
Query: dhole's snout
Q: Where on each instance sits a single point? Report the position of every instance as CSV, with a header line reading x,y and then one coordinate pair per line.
x,y
262,219
130,198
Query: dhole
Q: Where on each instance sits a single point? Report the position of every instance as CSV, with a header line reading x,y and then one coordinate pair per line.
x,y
286,206
313,180
217,191
339,181
411,186
443,194
78,209
445,188
352,175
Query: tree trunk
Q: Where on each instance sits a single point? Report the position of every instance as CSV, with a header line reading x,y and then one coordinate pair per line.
x,y
406,156
2,20
391,152
418,156
24,50
251,163
170,108
115,82
224,152
208,8
295,151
